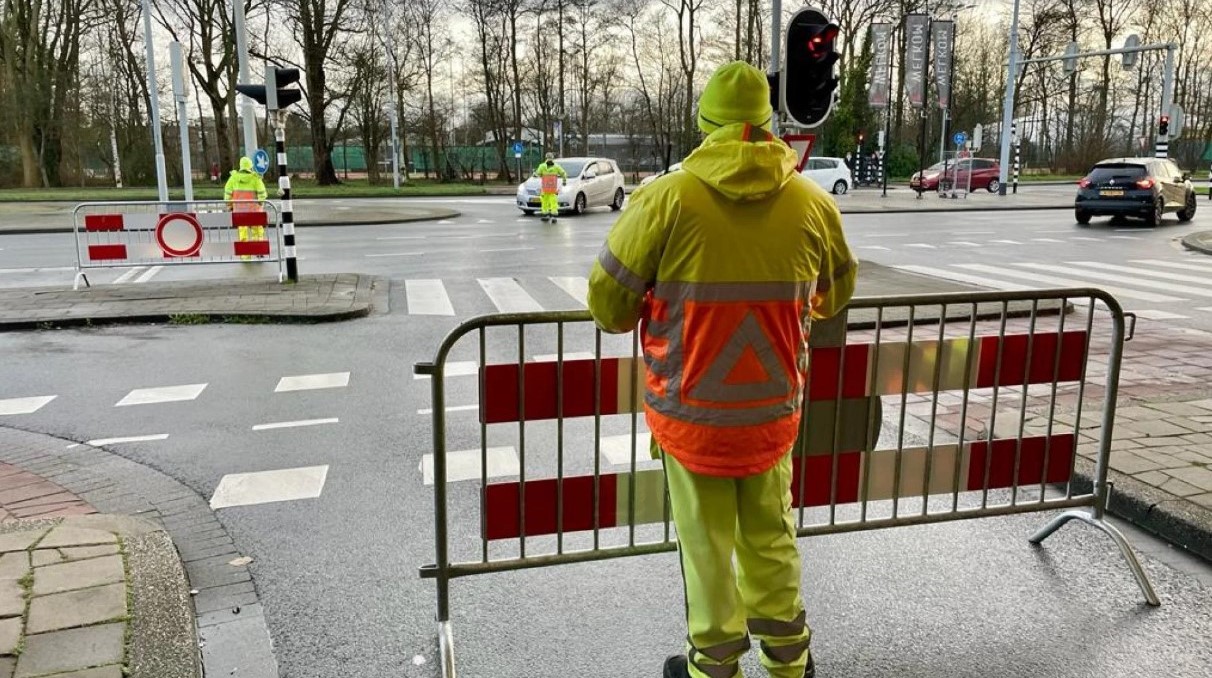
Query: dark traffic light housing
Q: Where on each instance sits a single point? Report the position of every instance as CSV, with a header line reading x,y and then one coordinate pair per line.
x,y
809,80
1163,126
271,94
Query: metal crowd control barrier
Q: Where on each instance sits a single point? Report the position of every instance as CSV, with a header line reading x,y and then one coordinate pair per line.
x,y
124,234
982,396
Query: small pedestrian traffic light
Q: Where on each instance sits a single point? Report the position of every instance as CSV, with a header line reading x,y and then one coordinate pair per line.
x,y
272,94
1163,126
809,83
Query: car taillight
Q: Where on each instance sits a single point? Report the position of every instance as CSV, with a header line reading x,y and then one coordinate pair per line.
x,y
1144,183
1084,183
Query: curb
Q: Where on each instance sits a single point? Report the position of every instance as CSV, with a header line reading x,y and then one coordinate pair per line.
x,y
439,215
1198,242
1182,523
226,606
166,318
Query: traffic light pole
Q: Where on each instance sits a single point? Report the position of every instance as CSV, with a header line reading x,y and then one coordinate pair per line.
x,y
1008,103
776,60
1162,148
287,208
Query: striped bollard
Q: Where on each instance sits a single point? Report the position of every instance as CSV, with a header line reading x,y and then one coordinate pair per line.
x,y
1018,149
1162,149
288,208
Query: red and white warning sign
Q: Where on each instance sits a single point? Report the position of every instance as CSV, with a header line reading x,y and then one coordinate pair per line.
x,y
802,145
179,234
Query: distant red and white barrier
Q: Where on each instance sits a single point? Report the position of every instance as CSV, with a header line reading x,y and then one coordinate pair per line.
x,y
116,234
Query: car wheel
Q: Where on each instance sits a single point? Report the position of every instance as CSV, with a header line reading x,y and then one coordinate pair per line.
x,y
839,187
618,200
1187,213
1081,217
578,206
1154,218
993,186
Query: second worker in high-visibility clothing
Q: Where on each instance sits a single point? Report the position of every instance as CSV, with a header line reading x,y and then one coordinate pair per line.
x,y
550,175
725,264
243,187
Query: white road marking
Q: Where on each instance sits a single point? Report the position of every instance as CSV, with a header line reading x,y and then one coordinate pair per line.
x,y
129,439
508,296
1085,238
485,221
1124,237
149,274
161,394
1006,242
1161,315
964,243
1068,282
456,408
575,355
1123,279
24,405
128,275
1180,265
1204,308
427,297
264,487
976,232
1046,240
577,288
402,237
397,254
311,382
617,449
873,247
508,249
46,269
458,368
1165,275
465,465
921,245
958,276
1052,230
294,424
445,222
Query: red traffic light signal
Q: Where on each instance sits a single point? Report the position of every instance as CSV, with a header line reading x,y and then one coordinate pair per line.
x,y
1163,127
809,81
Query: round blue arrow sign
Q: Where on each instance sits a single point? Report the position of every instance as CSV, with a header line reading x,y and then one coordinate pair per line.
x,y
517,147
960,138
261,161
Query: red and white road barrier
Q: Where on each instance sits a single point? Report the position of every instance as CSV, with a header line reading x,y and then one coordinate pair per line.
x,y
111,235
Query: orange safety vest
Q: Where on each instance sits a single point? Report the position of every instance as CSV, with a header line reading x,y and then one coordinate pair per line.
x,y
239,195
550,183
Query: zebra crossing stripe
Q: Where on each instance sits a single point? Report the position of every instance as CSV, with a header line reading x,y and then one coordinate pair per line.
x,y
1128,280
427,297
1165,275
577,288
508,296
1180,265
1068,282
958,276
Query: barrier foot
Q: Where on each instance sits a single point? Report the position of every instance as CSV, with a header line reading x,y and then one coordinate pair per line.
x,y
1110,530
76,282
446,649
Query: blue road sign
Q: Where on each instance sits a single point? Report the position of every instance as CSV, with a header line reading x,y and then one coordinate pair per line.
x,y
960,138
261,161
517,147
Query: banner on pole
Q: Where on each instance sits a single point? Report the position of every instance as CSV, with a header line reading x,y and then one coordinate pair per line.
x,y
942,34
881,66
917,52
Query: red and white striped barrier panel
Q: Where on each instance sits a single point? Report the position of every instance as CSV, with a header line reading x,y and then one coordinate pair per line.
x,y
141,234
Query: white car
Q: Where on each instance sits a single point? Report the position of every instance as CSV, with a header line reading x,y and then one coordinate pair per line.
x,y
592,182
831,174
653,177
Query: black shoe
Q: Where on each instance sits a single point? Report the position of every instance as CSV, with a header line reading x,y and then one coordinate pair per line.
x,y
810,668
677,667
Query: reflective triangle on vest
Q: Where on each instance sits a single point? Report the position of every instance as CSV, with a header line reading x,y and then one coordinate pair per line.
x,y
747,369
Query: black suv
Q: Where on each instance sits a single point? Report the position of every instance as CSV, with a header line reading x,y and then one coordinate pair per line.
x,y
1135,187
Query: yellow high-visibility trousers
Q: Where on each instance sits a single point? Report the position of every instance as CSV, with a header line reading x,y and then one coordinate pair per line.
x,y
750,518
549,204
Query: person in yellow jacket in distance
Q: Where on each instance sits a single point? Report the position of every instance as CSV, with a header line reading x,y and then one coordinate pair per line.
x,y
550,175
243,186
725,264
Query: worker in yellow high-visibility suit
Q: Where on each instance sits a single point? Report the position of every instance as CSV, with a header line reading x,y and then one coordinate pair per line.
x,y
725,264
243,187
550,174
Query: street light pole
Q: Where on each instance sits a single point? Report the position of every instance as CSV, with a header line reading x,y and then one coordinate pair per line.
x,y
776,41
154,102
1008,104
247,114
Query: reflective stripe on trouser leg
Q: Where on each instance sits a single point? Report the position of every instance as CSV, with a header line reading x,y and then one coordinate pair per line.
x,y
705,514
549,203
768,563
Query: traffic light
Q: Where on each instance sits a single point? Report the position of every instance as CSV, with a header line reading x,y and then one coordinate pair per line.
x,y
271,94
809,82
1163,126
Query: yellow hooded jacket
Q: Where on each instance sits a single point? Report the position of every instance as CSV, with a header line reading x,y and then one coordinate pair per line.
x,y
727,262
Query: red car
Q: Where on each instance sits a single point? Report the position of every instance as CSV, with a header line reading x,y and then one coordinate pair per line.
x,y
983,171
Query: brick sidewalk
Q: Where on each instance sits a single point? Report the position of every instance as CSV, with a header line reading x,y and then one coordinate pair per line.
x,y
25,495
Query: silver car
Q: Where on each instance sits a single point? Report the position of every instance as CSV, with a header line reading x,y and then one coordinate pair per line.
x,y
592,182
